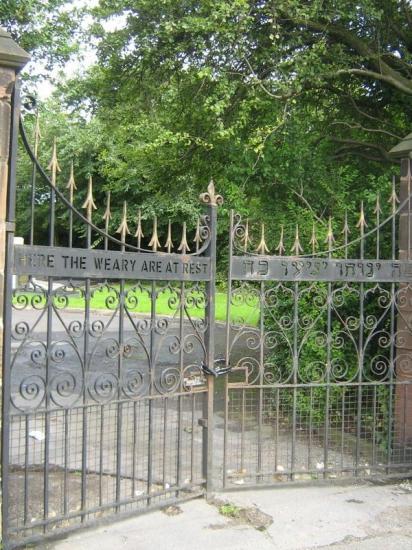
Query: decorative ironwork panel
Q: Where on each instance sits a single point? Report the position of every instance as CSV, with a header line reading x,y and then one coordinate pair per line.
x,y
321,352
109,341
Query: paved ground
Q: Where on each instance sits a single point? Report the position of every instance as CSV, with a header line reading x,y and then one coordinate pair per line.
x,y
338,517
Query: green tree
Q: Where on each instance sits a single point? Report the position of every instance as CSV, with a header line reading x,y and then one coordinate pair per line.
x,y
47,30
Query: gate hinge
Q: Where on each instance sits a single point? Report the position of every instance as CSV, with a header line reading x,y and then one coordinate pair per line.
x,y
202,422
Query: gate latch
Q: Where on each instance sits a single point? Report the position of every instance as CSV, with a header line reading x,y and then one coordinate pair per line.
x,y
220,367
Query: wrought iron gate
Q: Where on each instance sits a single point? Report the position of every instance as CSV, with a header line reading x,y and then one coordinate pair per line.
x,y
109,358
106,403
321,351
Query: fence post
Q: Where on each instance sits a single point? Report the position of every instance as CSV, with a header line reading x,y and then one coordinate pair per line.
x,y
12,60
212,200
403,362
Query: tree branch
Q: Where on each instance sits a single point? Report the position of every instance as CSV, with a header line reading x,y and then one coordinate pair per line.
x,y
307,204
359,126
402,84
353,144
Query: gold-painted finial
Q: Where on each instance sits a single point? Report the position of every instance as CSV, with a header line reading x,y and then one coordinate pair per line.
x,y
184,246
280,249
154,241
211,197
330,239
246,238
346,231
139,232
71,184
198,238
107,216
123,228
377,210
262,248
54,166
313,240
393,199
296,248
362,220
169,242
89,202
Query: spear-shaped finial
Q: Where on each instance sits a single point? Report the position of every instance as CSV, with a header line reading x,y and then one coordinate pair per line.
x,y
198,238
107,216
313,240
330,239
377,210
246,238
154,241
123,228
71,184
362,221
262,248
393,199
89,202
139,232
346,231
297,248
54,166
281,246
184,247
169,242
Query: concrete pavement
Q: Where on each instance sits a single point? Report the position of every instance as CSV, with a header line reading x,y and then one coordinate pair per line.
x,y
363,516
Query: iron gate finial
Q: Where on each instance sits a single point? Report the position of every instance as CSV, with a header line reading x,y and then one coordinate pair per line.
x,y
211,197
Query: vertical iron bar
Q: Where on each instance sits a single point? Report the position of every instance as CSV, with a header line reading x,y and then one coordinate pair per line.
x,y
192,441
277,428
134,449
261,376
227,347
342,444
66,461
181,374
119,382
328,367
26,469
310,430
33,178
374,427
360,360
101,448
393,335
7,312
86,340
295,375
152,389
208,408
242,432
165,454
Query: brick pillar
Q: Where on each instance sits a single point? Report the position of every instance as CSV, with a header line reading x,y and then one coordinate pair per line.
x,y
403,394
12,60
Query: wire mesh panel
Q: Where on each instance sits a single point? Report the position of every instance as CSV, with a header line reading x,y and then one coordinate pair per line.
x,y
320,348
107,400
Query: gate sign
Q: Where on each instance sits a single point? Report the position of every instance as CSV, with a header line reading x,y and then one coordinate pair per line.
x,y
80,263
260,268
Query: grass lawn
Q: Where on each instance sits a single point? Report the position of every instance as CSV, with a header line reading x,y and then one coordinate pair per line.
x,y
164,303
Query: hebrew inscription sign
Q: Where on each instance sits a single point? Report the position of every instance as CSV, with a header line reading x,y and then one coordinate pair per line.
x,y
260,268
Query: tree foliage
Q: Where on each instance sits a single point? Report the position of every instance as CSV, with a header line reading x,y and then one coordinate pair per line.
x,y
290,106
47,30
